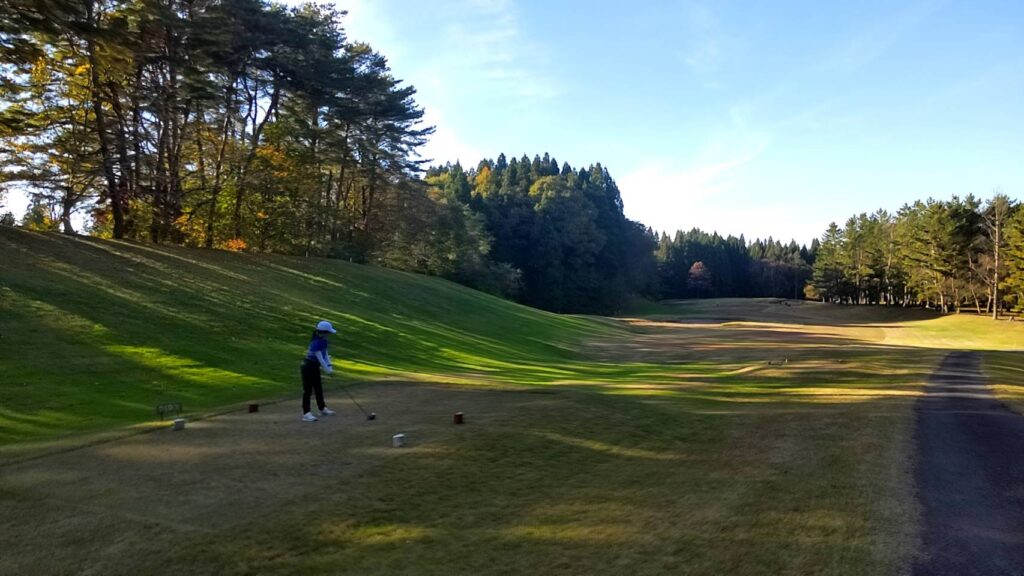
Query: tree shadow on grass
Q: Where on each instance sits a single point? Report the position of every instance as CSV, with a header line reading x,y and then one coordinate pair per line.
x,y
248,316
576,482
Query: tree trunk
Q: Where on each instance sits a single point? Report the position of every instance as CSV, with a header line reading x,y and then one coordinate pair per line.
x,y
200,155
66,205
995,270
977,301
174,169
113,190
275,96
121,139
160,184
218,166
340,198
136,130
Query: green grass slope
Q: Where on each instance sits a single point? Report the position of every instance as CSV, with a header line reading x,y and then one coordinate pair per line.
x,y
95,333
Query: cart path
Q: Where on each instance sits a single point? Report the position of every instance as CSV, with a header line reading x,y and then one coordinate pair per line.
x,y
969,475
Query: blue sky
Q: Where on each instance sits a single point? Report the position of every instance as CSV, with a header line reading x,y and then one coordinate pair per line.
x,y
763,118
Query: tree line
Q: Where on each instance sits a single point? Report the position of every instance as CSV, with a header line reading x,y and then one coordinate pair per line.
x,y
557,234
697,264
227,123
558,240
242,124
245,125
947,255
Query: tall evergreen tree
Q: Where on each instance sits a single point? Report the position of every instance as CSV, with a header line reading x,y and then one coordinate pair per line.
x,y
829,276
996,219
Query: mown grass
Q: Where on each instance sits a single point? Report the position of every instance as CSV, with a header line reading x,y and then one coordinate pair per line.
x,y
960,332
713,437
752,481
1005,371
96,333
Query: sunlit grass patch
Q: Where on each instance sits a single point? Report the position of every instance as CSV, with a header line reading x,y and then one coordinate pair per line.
x,y
958,332
587,533
135,326
611,449
591,446
373,535
720,437
1005,371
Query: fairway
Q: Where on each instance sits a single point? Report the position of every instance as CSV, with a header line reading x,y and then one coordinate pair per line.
x,y
749,470
693,437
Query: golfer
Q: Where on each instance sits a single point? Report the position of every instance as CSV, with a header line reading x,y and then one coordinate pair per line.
x,y
316,358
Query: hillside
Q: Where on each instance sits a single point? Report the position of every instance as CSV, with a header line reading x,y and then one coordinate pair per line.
x,y
95,333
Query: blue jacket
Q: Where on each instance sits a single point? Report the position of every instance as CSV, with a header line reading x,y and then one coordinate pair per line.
x,y
318,351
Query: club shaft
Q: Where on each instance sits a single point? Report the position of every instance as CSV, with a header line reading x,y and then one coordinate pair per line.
x,y
352,398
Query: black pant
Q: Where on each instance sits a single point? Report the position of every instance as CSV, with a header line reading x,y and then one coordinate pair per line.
x,y
311,383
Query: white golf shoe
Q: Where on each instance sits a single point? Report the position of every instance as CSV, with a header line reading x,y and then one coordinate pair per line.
x,y
308,417
327,412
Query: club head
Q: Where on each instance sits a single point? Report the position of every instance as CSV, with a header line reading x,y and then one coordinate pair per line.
x,y
372,416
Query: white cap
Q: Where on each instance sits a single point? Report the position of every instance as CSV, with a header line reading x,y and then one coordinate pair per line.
x,y
325,326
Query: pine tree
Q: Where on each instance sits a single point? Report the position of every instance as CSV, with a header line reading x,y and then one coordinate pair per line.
x,y
928,246
1013,281
996,218
829,275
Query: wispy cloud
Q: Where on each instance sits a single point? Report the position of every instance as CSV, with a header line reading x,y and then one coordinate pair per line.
x,y
984,82
781,222
445,144
710,197
706,44
871,43
680,192
660,180
479,53
704,52
665,196
487,43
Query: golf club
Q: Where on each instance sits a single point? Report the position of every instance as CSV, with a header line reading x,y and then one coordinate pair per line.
x,y
369,415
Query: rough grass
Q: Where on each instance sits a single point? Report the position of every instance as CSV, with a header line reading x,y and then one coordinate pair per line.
x,y
715,437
